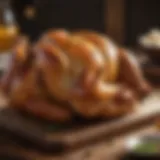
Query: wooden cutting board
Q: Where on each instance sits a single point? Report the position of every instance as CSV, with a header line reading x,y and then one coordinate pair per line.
x,y
53,137
107,149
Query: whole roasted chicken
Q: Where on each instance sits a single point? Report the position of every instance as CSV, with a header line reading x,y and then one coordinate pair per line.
x,y
66,73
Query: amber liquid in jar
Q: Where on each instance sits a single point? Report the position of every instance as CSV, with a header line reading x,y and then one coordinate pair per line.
x,y
8,27
8,35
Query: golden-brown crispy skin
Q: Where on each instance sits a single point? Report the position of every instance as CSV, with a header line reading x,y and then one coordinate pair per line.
x,y
131,73
83,69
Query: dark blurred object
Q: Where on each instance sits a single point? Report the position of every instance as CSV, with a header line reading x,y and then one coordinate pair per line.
x,y
150,68
152,73
152,53
148,53
8,28
149,43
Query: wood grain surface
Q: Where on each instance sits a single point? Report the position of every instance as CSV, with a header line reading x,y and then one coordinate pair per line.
x,y
112,149
38,135
115,19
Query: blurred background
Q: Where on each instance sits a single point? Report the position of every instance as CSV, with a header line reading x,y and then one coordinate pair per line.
x,y
123,20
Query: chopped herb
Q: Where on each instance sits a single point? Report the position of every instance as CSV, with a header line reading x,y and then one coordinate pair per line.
x,y
148,147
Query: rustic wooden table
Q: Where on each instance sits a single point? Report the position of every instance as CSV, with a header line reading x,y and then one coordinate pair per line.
x,y
112,149
108,148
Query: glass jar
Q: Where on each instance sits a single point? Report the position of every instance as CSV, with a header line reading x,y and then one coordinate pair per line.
x,y
8,27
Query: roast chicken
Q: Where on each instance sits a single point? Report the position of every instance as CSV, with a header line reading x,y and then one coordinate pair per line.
x,y
66,73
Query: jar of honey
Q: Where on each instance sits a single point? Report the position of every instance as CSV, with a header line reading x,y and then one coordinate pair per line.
x,y
8,27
